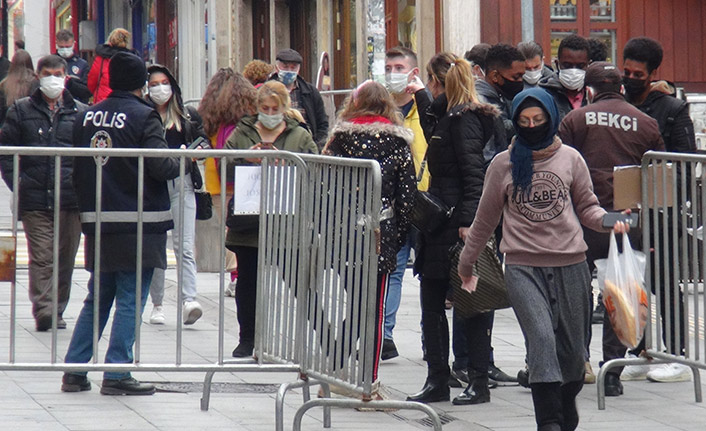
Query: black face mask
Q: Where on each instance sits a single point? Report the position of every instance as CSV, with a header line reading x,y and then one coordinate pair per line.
x,y
511,88
634,87
534,135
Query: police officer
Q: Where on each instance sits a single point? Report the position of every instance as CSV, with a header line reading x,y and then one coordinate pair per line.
x,y
77,68
123,120
608,132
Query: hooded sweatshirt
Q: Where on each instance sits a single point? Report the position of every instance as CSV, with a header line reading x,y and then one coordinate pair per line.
x,y
543,227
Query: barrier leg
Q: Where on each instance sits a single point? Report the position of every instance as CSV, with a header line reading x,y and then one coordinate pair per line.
x,y
697,384
279,401
206,395
327,409
348,403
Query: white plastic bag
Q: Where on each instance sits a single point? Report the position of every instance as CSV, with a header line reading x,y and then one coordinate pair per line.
x,y
624,293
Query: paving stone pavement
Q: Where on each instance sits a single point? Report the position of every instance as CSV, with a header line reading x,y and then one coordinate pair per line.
x,y
33,400
245,401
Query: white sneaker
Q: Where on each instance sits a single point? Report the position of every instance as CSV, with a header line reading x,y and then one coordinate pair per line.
x,y
668,373
634,372
191,312
230,289
157,315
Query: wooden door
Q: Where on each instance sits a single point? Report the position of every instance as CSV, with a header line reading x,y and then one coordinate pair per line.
x,y
261,30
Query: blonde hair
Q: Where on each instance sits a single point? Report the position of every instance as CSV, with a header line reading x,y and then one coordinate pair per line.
x,y
277,90
455,75
370,99
460,85
119,37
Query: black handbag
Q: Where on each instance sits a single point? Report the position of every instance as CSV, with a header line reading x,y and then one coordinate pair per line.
x,y
204,205
241,222
429,213
490,293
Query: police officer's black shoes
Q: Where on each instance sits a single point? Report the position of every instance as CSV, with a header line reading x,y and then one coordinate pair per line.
x,y
432,392
477,391
244,349
126,386
75,383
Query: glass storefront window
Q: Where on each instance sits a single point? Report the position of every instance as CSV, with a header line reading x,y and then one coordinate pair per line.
x,y
15,24
407,24
602,10
608,38
63,16
563,10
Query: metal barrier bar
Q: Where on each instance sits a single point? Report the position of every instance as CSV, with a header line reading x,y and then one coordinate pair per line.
x,y
55,253
317,272
673,213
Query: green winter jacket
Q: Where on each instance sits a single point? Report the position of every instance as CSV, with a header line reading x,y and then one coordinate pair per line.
x,y
295,138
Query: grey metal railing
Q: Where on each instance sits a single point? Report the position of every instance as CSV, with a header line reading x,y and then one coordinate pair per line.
x,y
317,268
673,213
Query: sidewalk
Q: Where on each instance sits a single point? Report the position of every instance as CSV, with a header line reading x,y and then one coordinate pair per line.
x,y
245,401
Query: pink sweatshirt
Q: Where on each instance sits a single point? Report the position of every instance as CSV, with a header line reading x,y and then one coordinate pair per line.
x,y
543,229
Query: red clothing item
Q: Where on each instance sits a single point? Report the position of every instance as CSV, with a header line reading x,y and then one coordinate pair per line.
x,y
370,119
99,79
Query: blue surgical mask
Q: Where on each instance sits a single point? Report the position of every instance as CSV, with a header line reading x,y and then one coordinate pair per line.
x,y
287,76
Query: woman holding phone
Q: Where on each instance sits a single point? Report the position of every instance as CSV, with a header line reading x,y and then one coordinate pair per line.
x,y
277,126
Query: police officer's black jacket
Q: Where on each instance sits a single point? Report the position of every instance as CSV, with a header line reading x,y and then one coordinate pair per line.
x,y
123,120
30,123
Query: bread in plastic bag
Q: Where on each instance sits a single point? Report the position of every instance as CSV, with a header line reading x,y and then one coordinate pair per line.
x,y
624,293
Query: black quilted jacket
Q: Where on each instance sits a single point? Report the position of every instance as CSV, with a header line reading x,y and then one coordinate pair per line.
x,y
455,162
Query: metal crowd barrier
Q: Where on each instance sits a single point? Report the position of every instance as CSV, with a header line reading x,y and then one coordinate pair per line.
x,y
317,269
673,213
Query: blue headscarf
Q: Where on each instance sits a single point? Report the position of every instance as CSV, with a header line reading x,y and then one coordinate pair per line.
x,y
521,153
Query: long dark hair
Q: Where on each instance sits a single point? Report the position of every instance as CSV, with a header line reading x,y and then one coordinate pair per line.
x,y
20,76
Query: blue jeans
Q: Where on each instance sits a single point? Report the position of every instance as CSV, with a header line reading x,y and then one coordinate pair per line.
x,y
394,288
121,287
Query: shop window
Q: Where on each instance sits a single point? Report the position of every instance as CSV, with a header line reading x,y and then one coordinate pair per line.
x,y
588,18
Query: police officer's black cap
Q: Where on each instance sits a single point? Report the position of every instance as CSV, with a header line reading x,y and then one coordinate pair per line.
x,y
601,72
289,55
127,72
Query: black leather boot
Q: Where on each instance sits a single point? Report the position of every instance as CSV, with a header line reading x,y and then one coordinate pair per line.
x,y
436,340
547,406
569,391
477,391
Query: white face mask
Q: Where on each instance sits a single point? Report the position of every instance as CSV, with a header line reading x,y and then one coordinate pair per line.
x,y
65,52
532,77
52,86
572,78
270,121
160,94
397,82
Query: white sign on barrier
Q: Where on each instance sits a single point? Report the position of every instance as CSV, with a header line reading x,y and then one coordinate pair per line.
x,y
247,189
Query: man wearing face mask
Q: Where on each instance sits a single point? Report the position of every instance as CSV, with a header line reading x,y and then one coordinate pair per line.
x,y
566,86
608,132
401,69
45,119
535,69
476,56
76,67
305,97
504,69
642,57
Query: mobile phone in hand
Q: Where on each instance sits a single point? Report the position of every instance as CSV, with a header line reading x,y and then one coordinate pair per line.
x,y
203,142
632,219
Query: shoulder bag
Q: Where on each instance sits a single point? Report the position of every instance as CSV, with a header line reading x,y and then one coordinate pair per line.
x,y
429,213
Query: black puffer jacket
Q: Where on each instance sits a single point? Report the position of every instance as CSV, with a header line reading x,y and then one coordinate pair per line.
x,y
29,123
455,161
389,145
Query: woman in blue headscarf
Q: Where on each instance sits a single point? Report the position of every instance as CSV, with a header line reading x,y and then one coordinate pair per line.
x,y
543,191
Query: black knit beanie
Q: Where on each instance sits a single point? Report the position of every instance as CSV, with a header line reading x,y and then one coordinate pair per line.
x,y
127,72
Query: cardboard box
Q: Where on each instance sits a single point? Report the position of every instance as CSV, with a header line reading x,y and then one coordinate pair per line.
x,y
627,183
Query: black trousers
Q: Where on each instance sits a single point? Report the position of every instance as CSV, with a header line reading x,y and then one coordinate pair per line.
x,y
477,330
246,291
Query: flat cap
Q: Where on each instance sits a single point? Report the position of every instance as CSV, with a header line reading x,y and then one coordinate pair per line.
x,y
288,55
602,72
